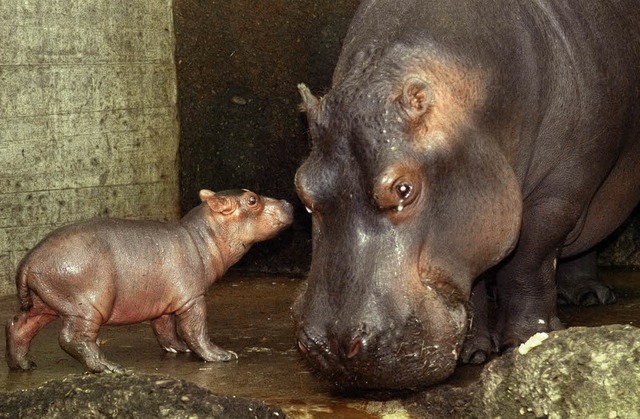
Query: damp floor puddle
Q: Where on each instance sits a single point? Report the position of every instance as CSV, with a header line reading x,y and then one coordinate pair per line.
x,y
250,314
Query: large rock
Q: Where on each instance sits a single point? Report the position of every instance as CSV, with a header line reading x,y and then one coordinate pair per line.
x,y
622,248
127,395
578,372
581,372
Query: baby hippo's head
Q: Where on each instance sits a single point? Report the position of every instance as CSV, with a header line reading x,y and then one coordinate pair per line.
x,y
245,216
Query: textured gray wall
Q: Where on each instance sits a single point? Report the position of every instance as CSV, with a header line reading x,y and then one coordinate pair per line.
x,y
88,123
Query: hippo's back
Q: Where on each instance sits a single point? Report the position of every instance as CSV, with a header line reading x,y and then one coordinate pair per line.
x,y
494,33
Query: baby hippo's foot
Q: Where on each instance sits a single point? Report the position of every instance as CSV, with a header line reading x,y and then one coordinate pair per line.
x,y
78,338
93,358
164,327
176,347
216,354
20,365
20,330
106,367
173,344
192,323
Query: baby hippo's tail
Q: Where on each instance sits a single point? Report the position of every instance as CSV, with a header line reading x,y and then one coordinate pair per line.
x,y
24,293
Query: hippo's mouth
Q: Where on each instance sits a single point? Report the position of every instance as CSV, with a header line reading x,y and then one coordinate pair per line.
x,y
405,358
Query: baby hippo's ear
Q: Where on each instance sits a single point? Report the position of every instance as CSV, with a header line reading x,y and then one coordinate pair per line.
x,y
220,204
205,194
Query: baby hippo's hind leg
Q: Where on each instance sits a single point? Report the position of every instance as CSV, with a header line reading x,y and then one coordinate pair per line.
x,y
193,327
78,338
20,331
164,327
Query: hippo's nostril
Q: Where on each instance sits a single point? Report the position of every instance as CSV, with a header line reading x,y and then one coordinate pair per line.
x,y
355,347
303,348
309,343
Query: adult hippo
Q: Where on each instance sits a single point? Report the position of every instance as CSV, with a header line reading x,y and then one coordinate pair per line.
x,y
460,135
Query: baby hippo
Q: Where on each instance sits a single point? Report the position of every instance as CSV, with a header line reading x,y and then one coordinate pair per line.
x,y
116,272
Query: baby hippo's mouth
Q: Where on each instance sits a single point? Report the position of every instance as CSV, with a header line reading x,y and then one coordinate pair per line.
x,y
280,215
286,214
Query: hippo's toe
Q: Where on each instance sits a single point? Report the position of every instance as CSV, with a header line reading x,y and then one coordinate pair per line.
x,y
588,292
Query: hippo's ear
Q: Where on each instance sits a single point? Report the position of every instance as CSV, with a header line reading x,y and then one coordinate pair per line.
x,y
310,103
416,98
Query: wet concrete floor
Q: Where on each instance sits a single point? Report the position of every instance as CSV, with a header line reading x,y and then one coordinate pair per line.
x,y
250,315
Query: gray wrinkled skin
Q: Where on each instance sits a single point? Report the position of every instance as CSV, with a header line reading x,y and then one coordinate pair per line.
x,y
460,136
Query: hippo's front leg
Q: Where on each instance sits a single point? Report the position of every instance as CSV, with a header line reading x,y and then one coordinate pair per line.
x,y
477,345
164,327
526,283
192,322
78,338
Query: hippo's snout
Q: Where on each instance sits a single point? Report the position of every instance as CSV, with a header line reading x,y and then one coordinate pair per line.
x,y
314,344
405,357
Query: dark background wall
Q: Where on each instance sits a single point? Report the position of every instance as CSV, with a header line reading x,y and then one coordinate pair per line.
x,y
238,63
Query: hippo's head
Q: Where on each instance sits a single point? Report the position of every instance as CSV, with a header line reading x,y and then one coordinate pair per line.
x,y
410,202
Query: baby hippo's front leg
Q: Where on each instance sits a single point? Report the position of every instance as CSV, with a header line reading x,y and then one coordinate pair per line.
x,y
192,321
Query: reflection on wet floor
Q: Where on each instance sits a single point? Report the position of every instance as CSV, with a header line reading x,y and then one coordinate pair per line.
x,y
250,315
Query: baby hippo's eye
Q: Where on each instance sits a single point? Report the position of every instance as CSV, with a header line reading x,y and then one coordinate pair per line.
x,y
252,200
404,190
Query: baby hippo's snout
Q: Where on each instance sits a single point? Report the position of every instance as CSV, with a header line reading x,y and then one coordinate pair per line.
x,y
283,214
276,215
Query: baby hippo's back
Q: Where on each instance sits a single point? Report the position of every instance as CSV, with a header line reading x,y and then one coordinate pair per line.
x,y
127,270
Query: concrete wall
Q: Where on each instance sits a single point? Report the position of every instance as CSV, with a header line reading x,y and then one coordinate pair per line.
x,y
88,123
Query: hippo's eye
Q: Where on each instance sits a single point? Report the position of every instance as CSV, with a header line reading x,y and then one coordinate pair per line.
x,y
252,200
396,188
404,190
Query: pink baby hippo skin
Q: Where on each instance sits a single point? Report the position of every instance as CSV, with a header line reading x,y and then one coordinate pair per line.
x,y
117,272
